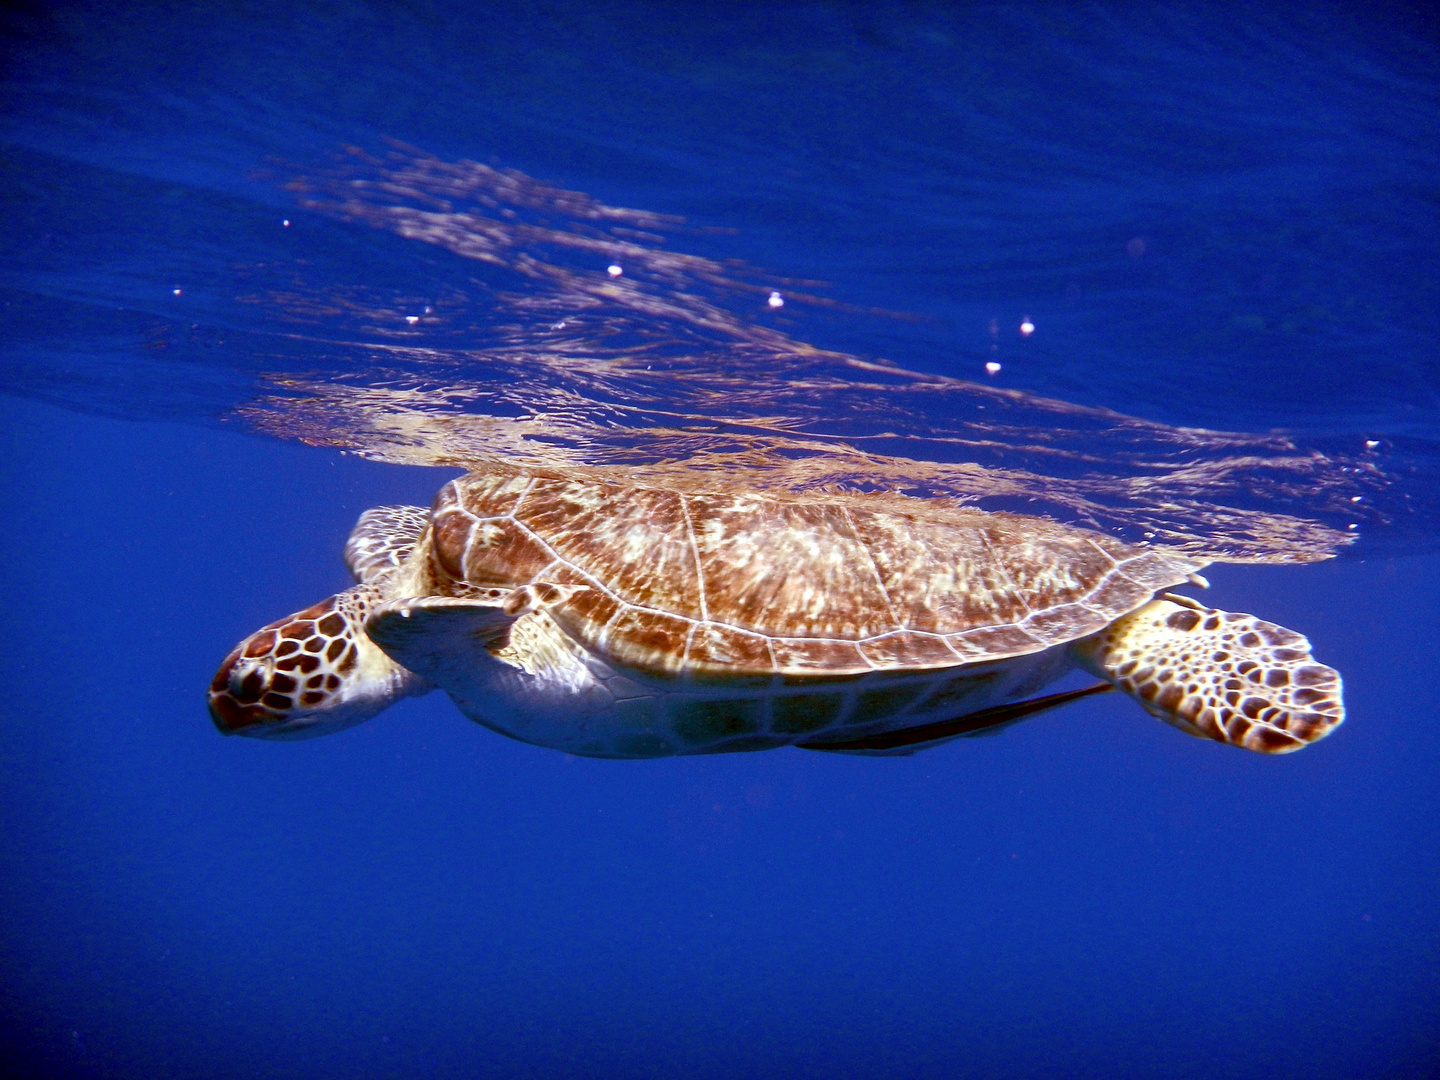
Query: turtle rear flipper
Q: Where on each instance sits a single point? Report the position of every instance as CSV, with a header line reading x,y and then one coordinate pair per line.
x,y
1217,674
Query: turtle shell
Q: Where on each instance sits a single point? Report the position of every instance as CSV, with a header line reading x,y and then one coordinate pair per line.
x,y
731,585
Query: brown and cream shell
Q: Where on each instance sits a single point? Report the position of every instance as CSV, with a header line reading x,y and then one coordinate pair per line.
x,y
731,585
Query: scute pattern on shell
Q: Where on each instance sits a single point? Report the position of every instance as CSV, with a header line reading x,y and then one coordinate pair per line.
x,y
735,584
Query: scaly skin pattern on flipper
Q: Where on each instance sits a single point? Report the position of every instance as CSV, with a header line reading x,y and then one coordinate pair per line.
x,y
383,539
1218,674
308,674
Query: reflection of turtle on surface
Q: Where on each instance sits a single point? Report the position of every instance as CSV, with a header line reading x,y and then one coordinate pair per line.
x,y
617,621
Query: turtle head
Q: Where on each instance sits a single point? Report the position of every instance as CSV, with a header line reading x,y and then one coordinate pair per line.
x,y
310,674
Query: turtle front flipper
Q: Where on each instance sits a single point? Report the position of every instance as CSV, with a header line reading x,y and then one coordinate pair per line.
x,y
1216,674
444,638
309,674
382,539
452,640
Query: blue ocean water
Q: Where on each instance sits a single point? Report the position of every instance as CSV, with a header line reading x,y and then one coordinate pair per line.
x,y
1214,218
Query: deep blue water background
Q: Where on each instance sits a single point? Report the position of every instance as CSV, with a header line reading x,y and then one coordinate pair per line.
x,y
1089,894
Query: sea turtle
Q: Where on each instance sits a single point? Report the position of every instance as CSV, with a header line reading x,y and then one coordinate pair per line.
x,y
629,621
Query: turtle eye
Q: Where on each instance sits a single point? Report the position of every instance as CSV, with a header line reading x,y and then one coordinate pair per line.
x,y
249,678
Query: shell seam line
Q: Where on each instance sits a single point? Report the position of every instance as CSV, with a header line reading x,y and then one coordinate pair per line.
x,y
1000,566
516,508
875,569
469,539
770,651
951,646
1120,569
1113,561
694,551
